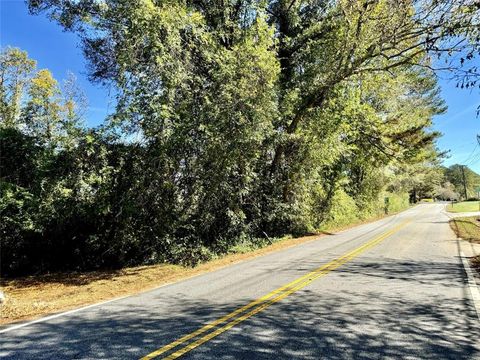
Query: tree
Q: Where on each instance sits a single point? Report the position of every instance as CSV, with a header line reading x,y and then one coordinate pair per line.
x,y
447,192
234,123
15,73
463,179
181,89
74,105
323,46
42,112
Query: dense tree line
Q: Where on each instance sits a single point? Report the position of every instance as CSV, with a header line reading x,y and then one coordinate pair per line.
x,y
458,183
235,123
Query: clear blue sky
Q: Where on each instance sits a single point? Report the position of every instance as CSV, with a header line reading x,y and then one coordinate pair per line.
x,y
59,51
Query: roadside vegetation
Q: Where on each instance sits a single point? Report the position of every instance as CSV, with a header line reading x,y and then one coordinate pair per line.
x,y
459,183
234,125
468,228
34,296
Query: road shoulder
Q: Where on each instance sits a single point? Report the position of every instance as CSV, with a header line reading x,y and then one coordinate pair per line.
x,y
468,243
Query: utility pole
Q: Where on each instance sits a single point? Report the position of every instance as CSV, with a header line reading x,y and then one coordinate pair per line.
x,y
464,181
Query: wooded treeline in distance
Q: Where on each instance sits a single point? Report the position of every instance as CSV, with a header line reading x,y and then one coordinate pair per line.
x,y
235,123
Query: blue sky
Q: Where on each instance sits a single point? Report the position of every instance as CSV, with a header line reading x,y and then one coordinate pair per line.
x,y
59,51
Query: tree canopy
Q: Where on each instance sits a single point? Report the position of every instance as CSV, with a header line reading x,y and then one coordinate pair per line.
x,y
235,122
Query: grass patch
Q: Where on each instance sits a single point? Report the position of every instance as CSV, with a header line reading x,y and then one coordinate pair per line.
x,y
464,206
468,228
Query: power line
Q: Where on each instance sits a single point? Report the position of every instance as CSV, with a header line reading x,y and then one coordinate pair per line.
x,y
474,160
471,154
473,157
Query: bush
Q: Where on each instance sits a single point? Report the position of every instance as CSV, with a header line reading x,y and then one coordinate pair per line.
x,y
398,202
342,212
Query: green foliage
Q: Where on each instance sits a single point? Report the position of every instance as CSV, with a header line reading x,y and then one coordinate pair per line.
x,y
397,202
343,211
456,174
15,69
235,124
346,211
42,111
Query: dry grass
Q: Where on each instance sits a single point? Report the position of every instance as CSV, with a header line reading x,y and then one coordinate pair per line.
x,y
35,296
468,228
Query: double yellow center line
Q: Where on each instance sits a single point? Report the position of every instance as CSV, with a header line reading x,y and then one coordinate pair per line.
x,y
228,321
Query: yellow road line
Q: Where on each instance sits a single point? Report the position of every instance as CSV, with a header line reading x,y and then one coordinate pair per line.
x,y
262,302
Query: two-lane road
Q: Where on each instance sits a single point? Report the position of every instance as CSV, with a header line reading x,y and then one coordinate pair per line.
x,y
391,289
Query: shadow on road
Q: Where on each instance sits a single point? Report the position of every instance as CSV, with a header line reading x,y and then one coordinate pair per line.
x,y
313,323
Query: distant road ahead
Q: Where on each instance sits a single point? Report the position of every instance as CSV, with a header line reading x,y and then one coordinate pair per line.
x,y
392,289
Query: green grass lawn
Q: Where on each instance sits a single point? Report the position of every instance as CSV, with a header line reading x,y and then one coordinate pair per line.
x,y
463,206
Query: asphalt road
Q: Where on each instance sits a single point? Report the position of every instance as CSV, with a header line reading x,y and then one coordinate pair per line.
x,y
392,289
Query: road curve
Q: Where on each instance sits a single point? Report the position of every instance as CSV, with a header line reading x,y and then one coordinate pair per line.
x,y
391,289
